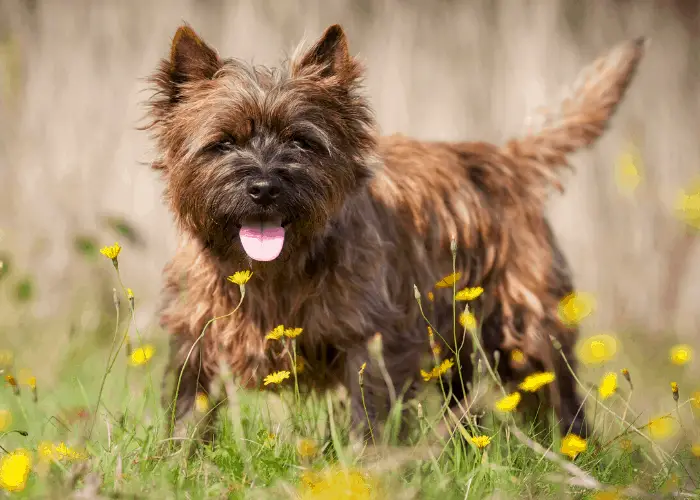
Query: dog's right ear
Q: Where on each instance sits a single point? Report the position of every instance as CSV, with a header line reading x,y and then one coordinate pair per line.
x,y
191,59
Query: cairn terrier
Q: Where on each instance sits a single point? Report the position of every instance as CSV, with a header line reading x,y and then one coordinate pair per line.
x,y
281,172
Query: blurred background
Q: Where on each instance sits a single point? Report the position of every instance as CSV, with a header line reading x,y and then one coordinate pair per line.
x,y
74,172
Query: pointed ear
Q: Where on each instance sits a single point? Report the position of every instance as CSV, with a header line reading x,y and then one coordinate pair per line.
x,y
190,58
330,52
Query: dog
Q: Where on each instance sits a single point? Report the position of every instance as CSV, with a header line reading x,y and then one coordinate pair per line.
x,y
281,172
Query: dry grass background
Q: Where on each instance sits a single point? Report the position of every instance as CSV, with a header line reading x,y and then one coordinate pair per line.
x,y
71,84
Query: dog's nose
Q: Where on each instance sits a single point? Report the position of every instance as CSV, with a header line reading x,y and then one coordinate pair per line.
x,y
264,191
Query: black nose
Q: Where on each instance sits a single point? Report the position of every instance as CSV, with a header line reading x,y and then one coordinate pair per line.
x,y
264,191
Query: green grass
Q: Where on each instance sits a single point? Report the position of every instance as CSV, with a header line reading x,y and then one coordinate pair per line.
x,y
256,453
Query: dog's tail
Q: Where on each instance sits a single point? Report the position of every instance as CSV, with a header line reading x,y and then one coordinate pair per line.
x,y
582,117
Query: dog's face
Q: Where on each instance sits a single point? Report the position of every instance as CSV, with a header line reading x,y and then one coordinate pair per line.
x,y
257,161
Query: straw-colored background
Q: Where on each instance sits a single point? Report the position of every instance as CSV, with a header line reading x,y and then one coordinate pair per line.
x,y
71,84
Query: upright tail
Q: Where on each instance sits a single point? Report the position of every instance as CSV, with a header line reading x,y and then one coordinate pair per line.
x,y
583,116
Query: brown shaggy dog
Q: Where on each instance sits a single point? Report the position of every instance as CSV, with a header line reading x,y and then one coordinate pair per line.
x,y
281,172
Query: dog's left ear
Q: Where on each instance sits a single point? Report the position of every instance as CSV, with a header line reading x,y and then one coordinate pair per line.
x,y
191,58
330,52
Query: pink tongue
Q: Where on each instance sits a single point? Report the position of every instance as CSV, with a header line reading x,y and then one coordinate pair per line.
x,y
263,243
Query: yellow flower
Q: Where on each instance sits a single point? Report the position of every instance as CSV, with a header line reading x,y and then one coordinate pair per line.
x,y
240,277
688,204
681,354
293,332
517,356
306,448
111,252
141,355
438,370
448,280
469,293
627,173
625,444
607,495
662,427
608,385
129,294
338,484
68,453
468,321
300,365
5,419
537,380
431,296
436,350
276,333
276,378
509,402
481,441
14,470
695,449
572,445
597,349
674,390
362,368
201,402
46,450
575,307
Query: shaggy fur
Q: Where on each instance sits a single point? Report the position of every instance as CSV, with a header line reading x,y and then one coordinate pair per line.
x,y
366,218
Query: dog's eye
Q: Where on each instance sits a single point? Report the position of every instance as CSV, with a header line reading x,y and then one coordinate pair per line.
x,y
224,145
303,143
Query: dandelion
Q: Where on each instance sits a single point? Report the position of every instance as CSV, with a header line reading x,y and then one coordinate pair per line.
x,y
201,402
339,484
438,370
688,204
627,172
572,445
240,278
508,403
293,332
481,441
112,252
141,355
517,356
426,375
436,350
468,321
5,419
534,382
12,382
306,448
597,349
14,470
695,449
469,293
663,427
674,391
65,452
276,378
431,296
681,354
608,385
129,294
448,280
276,333
626,373
575,307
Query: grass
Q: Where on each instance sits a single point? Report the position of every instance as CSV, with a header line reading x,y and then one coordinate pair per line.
x,y
103,436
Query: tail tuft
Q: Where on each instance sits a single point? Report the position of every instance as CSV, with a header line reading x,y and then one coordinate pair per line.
x,y
582,117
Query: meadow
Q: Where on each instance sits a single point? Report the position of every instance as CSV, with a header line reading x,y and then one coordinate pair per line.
x,y
82,357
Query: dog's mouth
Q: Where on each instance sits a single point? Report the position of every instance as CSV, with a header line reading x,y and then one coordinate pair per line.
x,y
263,237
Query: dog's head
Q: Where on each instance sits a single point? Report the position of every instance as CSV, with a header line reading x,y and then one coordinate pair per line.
x,y
256,160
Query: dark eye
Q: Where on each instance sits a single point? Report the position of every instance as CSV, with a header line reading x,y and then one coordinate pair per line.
x,y
223,145
304,143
